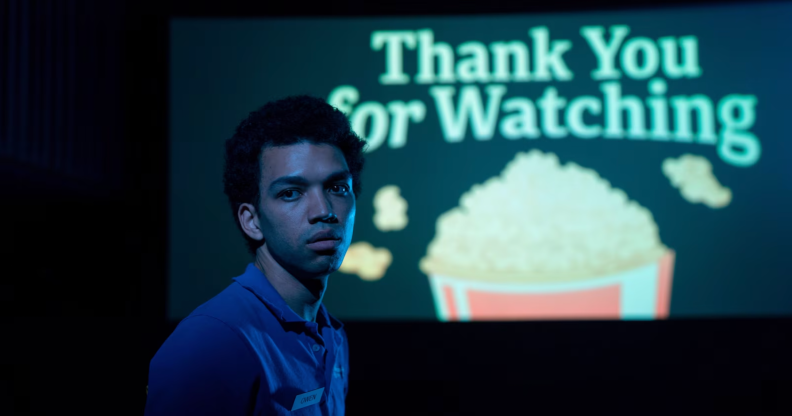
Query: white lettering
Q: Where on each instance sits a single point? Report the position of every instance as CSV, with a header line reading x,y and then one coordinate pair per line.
x,y
574,116
454,123
548,56
734,132
689,67
521,124
549,104
605,51
658,109
629,58
516,49
428,49
615,104
344,98
683,106
401,114
475,67
376,114
393,42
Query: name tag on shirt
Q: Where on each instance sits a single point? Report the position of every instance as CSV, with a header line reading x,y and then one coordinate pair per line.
x,y
307,399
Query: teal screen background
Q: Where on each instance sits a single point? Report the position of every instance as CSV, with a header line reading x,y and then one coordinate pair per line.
x,y
730,262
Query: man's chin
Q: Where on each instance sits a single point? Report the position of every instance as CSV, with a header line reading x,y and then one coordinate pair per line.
x,y
325,264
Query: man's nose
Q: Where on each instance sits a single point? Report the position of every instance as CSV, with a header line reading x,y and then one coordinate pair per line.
x,y
321,210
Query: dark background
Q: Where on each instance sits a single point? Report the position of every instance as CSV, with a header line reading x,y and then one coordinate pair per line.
x,y
83,179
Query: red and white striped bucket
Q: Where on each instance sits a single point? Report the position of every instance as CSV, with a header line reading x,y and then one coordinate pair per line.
x,y
640,293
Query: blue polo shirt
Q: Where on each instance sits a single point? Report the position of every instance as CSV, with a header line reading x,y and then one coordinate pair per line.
x,y
245,352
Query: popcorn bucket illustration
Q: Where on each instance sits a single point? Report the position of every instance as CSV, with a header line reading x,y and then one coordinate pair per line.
x,y
640,293
548,241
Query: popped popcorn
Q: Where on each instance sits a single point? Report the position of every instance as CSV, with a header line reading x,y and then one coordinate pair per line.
x,y
540,221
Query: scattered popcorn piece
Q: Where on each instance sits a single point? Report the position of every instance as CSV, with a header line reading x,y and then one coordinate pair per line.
x,y
390,209
366,261
693,176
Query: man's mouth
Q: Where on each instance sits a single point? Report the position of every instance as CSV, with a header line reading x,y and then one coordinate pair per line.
x,y
324,240
323,245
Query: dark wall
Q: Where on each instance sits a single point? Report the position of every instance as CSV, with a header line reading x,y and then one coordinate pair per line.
x,y
81,206
83,143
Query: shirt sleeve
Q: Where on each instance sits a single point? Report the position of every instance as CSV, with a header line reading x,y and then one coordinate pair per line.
x,y
203,368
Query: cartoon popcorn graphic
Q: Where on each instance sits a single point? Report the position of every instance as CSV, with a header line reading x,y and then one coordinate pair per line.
x,y
546,241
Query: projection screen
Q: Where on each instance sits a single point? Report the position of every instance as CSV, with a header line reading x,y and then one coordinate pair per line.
x,y
599,165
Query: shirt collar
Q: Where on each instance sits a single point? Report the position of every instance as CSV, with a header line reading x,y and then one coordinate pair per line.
x,y
254,280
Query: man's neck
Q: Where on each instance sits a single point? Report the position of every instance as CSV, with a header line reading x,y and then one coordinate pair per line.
x,y
304,298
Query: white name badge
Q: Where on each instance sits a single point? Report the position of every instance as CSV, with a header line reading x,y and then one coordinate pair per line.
x,y
307,399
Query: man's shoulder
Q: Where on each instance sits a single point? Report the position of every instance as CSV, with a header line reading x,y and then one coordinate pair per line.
x,y
218,316
221,320
235,306
198,329
202,360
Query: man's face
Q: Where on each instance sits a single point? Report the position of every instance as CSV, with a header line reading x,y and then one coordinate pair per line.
x,y
307,209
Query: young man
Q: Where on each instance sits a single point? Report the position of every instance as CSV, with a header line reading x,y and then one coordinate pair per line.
x,y
266,345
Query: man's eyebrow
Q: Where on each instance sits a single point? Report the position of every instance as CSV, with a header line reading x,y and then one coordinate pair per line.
x,y
288,180
341,175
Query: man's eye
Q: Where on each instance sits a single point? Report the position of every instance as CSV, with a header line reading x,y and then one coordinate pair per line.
x,y
339,189
288,194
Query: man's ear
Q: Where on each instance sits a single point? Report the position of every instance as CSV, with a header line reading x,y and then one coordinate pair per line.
x,y
249,221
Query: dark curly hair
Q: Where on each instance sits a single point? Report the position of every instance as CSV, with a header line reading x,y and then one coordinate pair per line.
x,y
284,122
